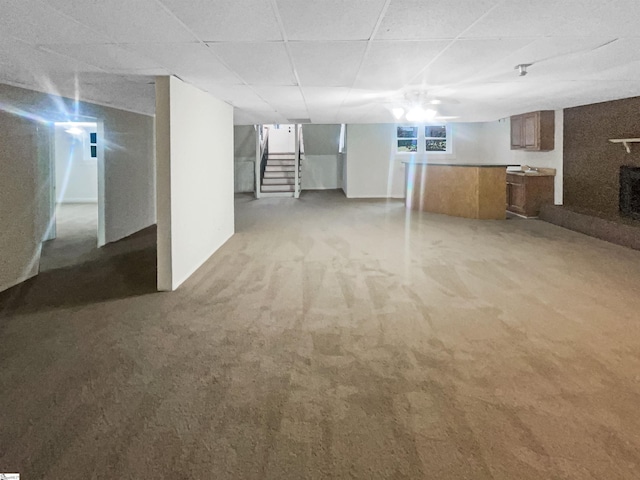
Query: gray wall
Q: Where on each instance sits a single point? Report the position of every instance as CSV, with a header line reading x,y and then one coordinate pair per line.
x,y
321,168
322,164
20,232
129,172
244,153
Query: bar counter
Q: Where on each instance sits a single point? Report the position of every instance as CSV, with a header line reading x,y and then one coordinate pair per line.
x,y
461,190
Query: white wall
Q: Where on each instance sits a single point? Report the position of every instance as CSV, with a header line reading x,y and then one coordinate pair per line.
x,y
20,235
195,155
283,139
76,171
374,169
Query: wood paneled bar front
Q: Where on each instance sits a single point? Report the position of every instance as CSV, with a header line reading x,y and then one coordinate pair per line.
x,y
469,191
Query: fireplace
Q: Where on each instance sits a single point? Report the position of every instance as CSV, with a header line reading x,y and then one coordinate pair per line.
x,y
630,191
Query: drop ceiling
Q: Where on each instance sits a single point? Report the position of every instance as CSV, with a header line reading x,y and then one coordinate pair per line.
x,y
332,61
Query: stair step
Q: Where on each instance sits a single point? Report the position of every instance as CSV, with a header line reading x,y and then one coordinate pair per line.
x,y
277,194
281,154
279,174
280,168
273,161
277,188
278,181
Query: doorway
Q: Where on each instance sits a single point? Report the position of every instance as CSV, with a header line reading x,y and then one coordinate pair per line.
x,y
76,222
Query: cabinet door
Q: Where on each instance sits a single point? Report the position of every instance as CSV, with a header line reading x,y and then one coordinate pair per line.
x,y
530,129
517,198
516,132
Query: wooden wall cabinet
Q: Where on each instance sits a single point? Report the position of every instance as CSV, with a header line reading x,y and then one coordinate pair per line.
x,y
527,193
534,131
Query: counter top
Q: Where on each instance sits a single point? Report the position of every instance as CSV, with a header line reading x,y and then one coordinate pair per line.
x,y
542,172
476,165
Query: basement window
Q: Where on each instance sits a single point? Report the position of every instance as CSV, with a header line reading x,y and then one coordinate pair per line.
x,y
93,138
427,139
407,139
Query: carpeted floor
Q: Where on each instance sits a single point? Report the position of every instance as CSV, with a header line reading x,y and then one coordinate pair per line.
x,y
331,338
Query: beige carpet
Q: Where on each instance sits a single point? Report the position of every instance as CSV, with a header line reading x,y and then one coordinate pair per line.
x,y
331,339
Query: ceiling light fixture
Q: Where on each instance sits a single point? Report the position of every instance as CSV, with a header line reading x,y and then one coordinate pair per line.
x,y
414,106
522,68
74,131
419,114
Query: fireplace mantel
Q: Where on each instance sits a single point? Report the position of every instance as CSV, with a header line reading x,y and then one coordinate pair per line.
x,y
625,142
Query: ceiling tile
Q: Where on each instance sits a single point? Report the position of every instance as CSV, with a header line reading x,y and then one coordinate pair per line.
x,y
36,22
421,20
187,60
126,21
240,96
522,18
228,20
466,57
618,18
319,97
110,58
283,99
38,61
542,53
329,19
331,64
390,65
257,63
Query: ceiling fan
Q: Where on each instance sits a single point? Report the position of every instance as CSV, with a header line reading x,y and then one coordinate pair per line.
x,y
415,104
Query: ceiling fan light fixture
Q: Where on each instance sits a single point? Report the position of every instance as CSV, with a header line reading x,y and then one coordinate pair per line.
x,y
415,114
430,114
398,112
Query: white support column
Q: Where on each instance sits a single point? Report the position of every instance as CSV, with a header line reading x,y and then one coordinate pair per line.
x,y
296,189
258,160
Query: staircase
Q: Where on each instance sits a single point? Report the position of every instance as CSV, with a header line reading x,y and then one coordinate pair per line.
x,y
280,173
277,171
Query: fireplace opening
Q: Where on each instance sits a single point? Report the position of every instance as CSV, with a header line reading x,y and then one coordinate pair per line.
x,y
630,191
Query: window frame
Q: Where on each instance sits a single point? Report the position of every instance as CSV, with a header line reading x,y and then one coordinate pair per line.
x,y
422,139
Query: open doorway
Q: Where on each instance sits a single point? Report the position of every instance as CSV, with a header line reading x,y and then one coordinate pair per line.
x,y
76,193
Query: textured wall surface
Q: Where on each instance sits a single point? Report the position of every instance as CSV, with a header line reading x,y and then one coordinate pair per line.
x,y
591,162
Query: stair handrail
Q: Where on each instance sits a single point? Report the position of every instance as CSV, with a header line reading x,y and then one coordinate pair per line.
x,y
296,163
262,151
264,155
299,155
